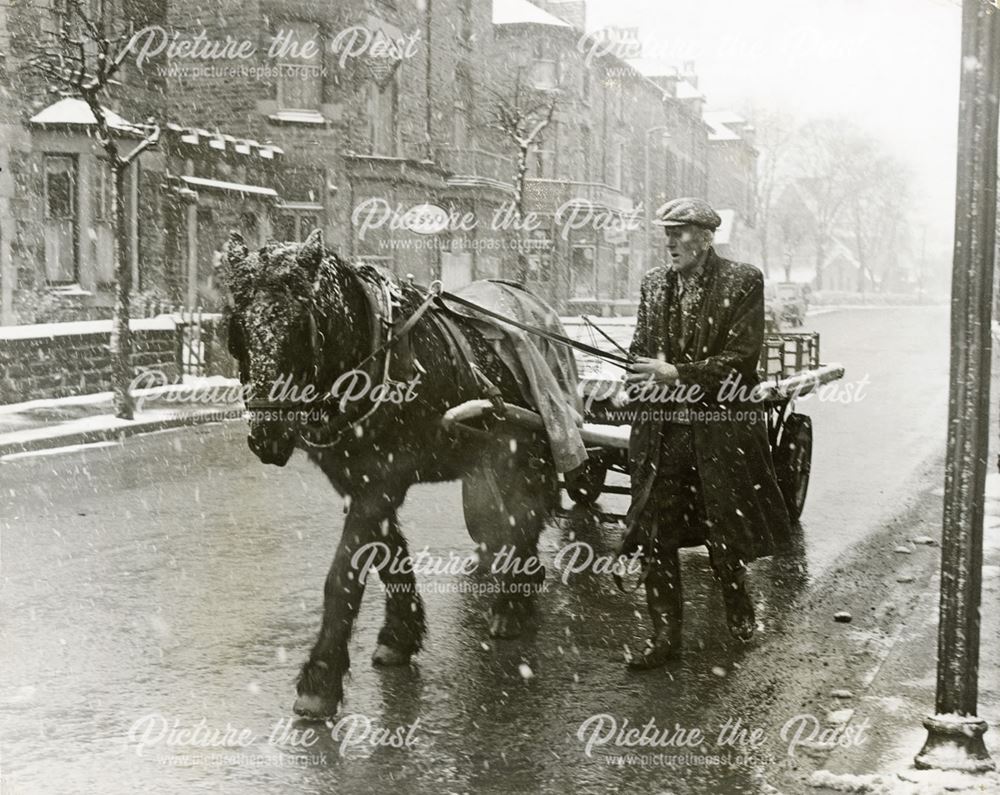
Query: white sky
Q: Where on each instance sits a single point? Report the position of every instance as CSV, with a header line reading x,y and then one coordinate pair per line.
x,y
892,66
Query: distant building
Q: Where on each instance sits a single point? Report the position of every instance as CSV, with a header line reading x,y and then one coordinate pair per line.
x,y
732,161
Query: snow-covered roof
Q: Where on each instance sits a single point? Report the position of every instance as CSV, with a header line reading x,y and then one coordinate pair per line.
x,y
726,116
195,136
719,122
298,116
77,112
652,67
232,187
686,90
521,12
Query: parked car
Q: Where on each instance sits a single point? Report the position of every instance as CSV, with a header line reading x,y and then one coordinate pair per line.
x,y
793,298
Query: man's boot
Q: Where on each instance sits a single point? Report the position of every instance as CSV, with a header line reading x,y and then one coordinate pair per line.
x,y
665,604
739,606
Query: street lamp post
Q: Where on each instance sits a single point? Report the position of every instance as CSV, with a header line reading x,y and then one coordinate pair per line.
x,y
954,732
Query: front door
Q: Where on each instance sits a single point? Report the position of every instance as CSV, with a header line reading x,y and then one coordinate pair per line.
x,y
61,219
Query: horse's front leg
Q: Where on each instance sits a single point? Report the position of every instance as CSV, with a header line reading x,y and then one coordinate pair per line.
x,y
320,684
402,634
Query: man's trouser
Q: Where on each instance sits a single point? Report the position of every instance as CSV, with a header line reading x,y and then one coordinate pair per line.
x,y
677,518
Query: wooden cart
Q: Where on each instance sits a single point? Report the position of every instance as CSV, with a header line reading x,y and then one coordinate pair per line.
x,y
790,368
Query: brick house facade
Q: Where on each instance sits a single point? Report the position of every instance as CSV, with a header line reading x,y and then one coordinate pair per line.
x,y
390,108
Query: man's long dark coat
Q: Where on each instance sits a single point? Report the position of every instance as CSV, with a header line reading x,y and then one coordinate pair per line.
x,y
743,503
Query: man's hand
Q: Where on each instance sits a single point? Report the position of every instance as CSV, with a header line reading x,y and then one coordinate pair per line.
x,y
643,369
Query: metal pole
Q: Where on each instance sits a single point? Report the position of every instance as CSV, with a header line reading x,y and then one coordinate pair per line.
x,y
954,733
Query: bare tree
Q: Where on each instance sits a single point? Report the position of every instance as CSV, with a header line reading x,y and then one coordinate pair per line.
x,y
81,60
877,211
522,117
823,166
775,138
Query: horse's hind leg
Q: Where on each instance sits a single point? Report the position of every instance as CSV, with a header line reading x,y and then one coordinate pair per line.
x,y
402,634
320,685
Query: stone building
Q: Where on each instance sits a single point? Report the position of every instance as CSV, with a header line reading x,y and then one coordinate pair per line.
x,y
370,119
731,181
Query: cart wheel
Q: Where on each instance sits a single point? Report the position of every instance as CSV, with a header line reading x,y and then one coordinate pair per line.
x,y
585,483
793,461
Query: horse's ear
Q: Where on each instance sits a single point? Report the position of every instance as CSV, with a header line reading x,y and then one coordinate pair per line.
x,y
233,263
311,253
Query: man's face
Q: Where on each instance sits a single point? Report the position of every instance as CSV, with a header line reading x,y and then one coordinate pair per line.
x,y
685,245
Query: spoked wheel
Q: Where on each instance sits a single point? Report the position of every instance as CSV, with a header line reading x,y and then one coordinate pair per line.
x,y
793,461
586,483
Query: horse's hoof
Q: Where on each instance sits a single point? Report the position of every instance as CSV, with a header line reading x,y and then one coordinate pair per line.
x,y
309,706
387,655
504,625
660,650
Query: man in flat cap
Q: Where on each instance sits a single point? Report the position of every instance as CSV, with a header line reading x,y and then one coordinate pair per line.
x,y
699,455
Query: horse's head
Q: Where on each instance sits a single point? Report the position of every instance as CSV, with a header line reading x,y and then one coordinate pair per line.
x,y
274,295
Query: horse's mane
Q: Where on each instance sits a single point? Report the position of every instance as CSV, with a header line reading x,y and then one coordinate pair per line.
x,y
281,272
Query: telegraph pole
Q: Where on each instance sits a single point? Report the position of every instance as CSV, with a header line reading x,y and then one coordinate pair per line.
x,y
954,732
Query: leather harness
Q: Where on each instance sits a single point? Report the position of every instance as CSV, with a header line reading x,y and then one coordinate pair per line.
x,y
391,336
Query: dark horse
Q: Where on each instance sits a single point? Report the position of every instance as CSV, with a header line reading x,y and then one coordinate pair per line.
x,y
301,313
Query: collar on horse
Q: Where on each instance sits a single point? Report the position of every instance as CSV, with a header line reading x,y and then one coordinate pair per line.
x,y
389,335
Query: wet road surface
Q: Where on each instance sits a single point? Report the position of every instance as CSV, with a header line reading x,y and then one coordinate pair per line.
x,y
176,584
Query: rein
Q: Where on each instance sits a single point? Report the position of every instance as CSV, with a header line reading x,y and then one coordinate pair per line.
x,y
613,358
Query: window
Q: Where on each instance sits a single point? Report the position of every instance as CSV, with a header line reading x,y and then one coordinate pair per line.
x,y
624,178
542,155
670,185
103,209
301,184
300,67
582,272
465,25
615,169
539,256
545,71
460,117
382,131
60,187
295,226
585,147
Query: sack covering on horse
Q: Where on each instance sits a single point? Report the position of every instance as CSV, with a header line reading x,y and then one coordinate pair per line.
x,y
546,372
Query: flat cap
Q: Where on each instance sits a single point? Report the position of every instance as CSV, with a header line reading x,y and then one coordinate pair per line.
x,y
689,210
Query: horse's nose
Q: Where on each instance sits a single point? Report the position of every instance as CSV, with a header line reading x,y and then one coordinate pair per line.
x,y
271,446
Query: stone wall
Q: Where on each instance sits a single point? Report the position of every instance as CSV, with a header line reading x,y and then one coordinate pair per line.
x,y
60,359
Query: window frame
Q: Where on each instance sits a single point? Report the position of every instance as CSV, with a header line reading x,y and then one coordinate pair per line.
x,y
296,64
